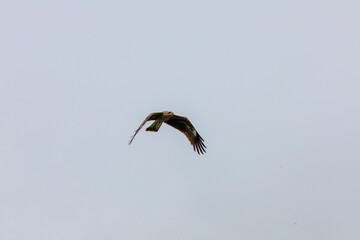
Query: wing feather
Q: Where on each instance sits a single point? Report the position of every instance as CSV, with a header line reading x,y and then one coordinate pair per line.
x,y
184,125
152,116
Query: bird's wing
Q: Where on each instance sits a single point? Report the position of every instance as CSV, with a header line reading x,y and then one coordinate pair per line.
x,y
152,116
184,125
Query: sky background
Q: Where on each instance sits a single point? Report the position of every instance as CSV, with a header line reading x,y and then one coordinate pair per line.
x,y
271,86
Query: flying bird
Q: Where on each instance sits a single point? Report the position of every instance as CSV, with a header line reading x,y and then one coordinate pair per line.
x,y
180,123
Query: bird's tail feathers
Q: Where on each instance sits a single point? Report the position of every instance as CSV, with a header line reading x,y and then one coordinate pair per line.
x,y
155,126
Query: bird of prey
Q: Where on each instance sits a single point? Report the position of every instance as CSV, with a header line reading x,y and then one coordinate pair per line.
x,y
180,123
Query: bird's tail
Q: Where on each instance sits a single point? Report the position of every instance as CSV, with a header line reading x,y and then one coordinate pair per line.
x,y
155,126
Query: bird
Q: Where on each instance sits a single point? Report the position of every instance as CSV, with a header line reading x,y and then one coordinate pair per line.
x,y
180,123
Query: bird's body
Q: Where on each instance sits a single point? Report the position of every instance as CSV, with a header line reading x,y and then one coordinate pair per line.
x,y
165,116
180,123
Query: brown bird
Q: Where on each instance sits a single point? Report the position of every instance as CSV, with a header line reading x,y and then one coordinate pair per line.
x,y
180,123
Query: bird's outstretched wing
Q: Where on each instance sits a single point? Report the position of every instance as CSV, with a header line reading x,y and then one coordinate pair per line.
x,y
152,116
184,125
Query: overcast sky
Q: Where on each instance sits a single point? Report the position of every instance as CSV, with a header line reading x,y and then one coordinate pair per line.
x,y
271,86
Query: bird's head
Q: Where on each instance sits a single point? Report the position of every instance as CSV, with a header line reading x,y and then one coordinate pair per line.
x,y
168,113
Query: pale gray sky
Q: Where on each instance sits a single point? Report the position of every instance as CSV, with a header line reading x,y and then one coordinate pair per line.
x,y
273,88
